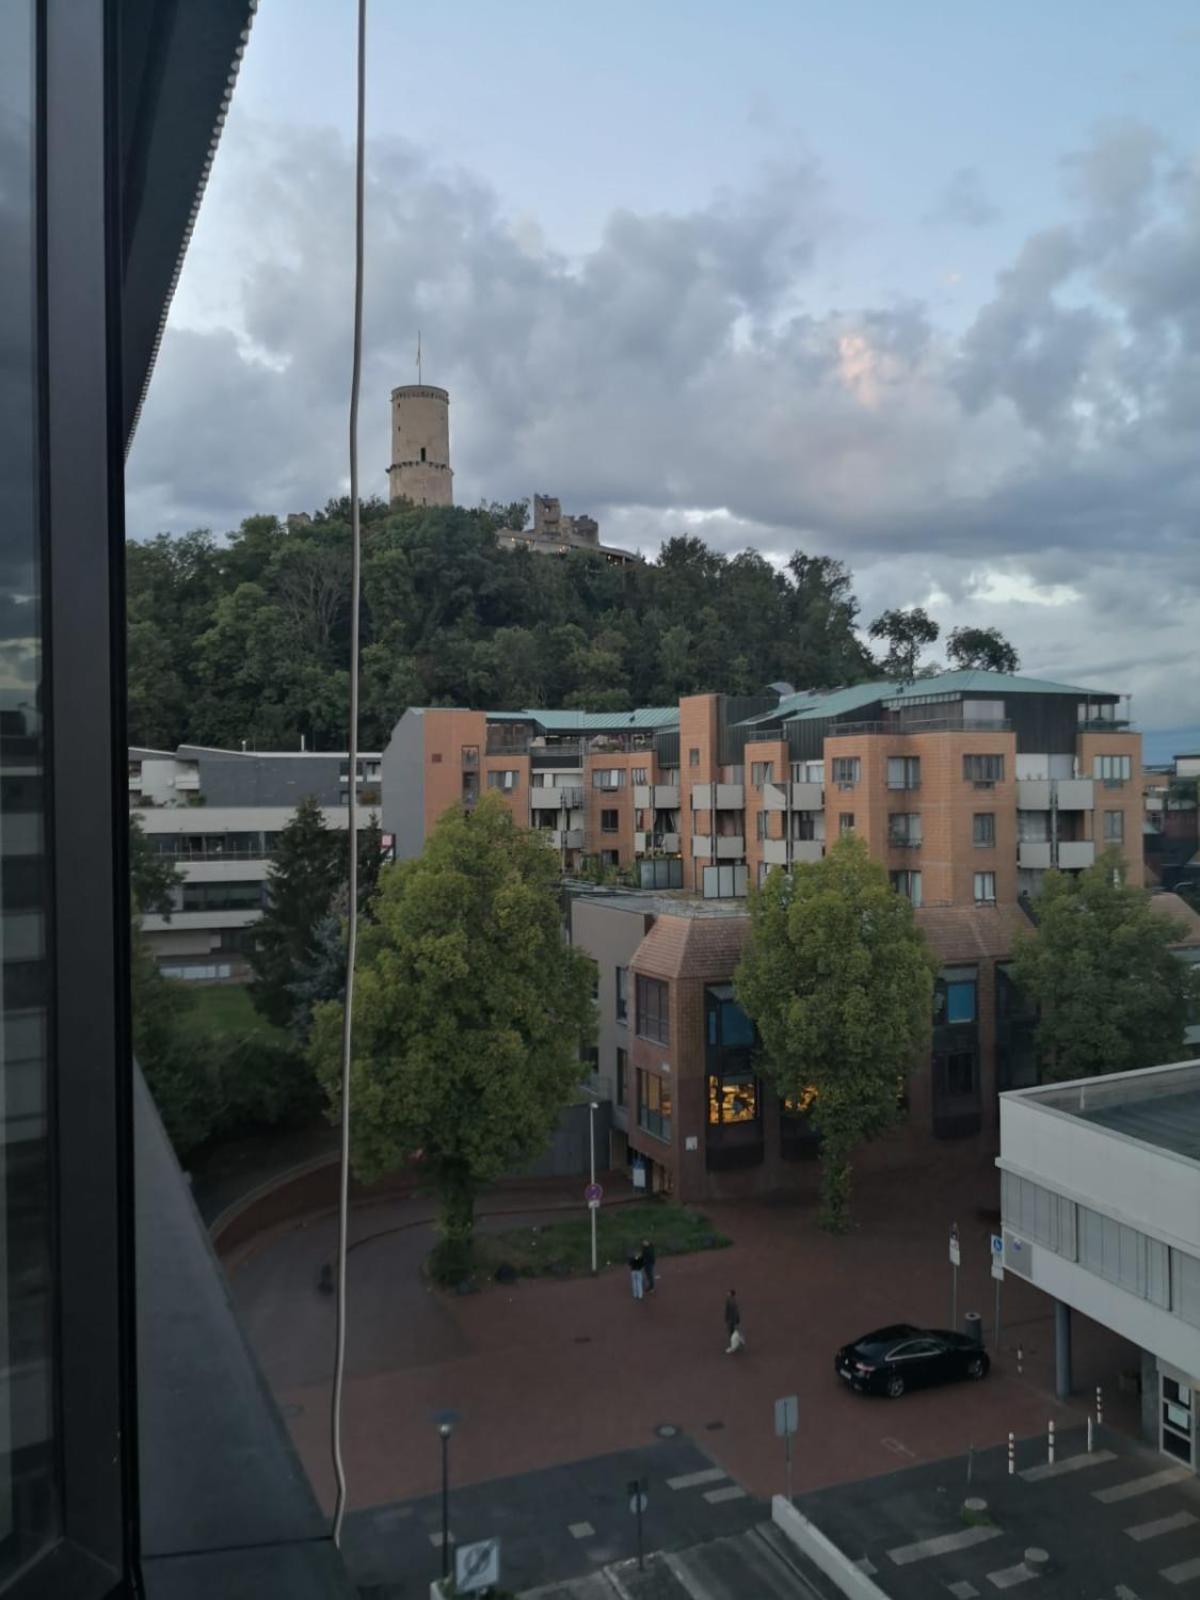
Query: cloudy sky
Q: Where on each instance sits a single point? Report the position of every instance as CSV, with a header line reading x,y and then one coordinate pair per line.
x,y
917,286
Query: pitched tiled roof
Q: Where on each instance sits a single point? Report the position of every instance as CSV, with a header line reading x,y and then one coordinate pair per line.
x,y
692,947
1175,907
971,933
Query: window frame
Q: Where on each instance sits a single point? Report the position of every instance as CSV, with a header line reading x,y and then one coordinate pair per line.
x,y
845,771
845,823
983,768
984,899
621,995
990,818
607,826
659,1016
1117,836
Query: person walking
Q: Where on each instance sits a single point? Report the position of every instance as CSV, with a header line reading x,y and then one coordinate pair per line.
x,y
637,1273
648,1260
733,1323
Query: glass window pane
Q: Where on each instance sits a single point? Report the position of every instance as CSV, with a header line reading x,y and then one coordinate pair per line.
x,y
28,1516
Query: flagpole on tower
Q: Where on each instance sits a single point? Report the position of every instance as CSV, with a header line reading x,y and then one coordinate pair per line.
x,y
418,355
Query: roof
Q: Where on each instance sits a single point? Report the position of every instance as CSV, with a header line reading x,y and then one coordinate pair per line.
x,y
1172,1122
692,947
598,721
970,933
975,682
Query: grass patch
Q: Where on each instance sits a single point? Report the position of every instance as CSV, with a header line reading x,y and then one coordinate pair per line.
x,y
226,1011
564,1249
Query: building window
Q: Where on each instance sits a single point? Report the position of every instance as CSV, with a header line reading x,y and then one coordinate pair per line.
x,y
470,755
904,772
622,1070
954,999
222,896
983,769
764,871
1112,769
762,772
608,778
503,780
653,1021
727,1027
985,888
640,775
808,772
904,829
804,825
983,828
908,884
1114,827
846,822
610,821
762,822
733,1097
653,1104
435,759
610,858
960,1075
622,990
693,757
846,771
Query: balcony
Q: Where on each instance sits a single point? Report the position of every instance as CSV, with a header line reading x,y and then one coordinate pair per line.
x,y
1076,794
805,851
665,796
669,843
567,754
642,796
1069,794
775,852
1034,854
1075,854
642,842
774,797
808,797
730,846
187,781
702,845
566,838
722,796
547,799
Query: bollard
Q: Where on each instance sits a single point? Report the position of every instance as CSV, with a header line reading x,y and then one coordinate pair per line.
x,y
1089,1448
1050,1445
1012,1454
1020,1358
1099,1406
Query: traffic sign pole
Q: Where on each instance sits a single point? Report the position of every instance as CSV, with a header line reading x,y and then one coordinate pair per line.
x,y
593,1203
998,1275
955,1258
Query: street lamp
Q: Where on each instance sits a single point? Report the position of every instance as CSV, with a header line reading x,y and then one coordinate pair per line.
x,y
445,1430
592,1206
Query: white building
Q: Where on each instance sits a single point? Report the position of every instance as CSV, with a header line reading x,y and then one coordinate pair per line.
x,y
1101,1209
216,815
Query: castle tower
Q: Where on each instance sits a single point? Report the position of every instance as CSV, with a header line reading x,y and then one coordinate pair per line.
x,y
420,469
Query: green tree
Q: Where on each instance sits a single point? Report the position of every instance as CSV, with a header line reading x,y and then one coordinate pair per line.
x,y
985,649
1111,994
839,982
907,633
152,875
470,1013
305,871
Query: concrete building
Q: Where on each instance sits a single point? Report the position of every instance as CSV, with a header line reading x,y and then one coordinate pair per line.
x,y
553,534
1171,823
216,815
420,469
1101,1210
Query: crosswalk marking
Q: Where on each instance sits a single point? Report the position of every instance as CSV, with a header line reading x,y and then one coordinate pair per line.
x,y
1077,1463
962,1590
1146,1484
866,1566
1009,1577
731,1491
1182,1572
1161,1525
580,1530
693,1480
942,1545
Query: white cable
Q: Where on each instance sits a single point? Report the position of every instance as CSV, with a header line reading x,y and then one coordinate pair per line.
x,y
339,1359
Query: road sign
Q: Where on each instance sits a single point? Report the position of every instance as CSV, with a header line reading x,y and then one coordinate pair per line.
x,y
787,1416
955,1251
593,1194
998,1257
477,1566
638,1498
997,1244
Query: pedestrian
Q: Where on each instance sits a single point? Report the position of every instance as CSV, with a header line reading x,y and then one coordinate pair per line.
x,y
648,1260
637,1273
733,1323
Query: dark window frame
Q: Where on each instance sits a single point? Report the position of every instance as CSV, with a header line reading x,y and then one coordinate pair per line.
x,y
988,817
653,1020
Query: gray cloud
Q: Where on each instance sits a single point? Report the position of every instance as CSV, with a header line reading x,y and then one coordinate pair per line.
x,y
963,201
674,377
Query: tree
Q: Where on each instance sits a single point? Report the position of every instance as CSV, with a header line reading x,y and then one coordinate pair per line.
x,y
470,1014
152,875
985,649
1112,996
839,982
305,871
907,633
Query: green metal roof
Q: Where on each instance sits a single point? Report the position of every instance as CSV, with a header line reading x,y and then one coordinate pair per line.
x,y
976,682
644,717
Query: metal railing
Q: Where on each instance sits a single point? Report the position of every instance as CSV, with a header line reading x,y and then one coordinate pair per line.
x,y
926,725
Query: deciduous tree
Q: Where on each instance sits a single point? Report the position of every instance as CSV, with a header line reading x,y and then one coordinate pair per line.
x,y
470,1012
985,649
907,633
1112,995
839,982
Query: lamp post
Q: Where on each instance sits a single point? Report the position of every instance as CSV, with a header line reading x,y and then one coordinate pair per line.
x,y
592,1206
445,1430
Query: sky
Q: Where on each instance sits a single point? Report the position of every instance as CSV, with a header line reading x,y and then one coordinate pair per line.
x,y
914,286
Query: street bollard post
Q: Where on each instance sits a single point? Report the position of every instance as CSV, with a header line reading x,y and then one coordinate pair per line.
x,y
1089,1448
1050,1444
1012,1455
1099,1406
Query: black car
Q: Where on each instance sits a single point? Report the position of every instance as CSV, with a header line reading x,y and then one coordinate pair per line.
x,y
893,1360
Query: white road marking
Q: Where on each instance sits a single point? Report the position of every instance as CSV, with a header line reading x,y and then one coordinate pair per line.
x,y
1182,1572
1143,1485
866,1566
1124,1592
1009,1577
693,1480
1152,1530
942,1545
580,1530
900,1449
962,1590
731,1491
1071,1464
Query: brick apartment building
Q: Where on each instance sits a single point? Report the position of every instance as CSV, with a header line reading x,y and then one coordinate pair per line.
x,y
967,786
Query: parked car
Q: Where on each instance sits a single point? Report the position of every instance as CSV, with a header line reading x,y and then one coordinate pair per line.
x,y
893,1360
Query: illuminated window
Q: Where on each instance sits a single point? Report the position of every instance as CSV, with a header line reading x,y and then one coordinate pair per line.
x,y
732,1098
799,1105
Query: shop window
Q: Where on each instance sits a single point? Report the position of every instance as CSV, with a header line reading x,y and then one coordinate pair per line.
x,y
733,1097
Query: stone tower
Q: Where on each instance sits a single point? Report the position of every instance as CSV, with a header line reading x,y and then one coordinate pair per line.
x,y
420,469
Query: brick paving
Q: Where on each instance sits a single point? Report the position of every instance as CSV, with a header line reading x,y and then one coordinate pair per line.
x,y
549,1372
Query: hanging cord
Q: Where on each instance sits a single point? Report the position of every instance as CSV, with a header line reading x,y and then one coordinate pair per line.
x,y
339,1359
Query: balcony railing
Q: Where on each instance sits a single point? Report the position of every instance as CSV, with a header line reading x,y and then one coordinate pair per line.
x,y
840,730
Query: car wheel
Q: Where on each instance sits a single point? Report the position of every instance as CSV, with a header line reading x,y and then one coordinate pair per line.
x,y
976,1367
894,1387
